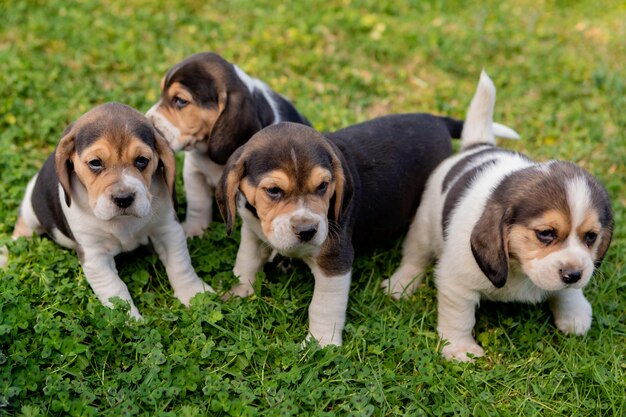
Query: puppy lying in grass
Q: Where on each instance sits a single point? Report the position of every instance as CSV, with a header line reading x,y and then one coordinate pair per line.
x,y
317,197
504,228
107,189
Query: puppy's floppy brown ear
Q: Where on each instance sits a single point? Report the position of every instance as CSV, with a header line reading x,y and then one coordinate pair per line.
x,y
63,162
344,188
236,122
168,163
226,191
490,241
606,235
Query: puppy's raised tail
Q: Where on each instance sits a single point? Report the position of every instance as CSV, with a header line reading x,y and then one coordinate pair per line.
x,y
479,127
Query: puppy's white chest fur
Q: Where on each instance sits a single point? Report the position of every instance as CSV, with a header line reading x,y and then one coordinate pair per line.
x,y
121,234
518,288
199,161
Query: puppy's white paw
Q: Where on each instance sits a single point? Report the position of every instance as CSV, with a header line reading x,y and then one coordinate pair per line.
x,y
186,293
242,290
459,351
323,340
574,321
193,229
402,283
134,312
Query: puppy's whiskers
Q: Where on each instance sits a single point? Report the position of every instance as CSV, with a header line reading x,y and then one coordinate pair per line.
x,y
333,231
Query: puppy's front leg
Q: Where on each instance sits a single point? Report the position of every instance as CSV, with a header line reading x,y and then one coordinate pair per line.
x,y
101,274
169,242
456,319
251,257
327,312
572,311
416,254
199,195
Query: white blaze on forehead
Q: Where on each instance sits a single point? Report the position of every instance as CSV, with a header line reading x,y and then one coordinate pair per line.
x,y
294,159
132,182
579,200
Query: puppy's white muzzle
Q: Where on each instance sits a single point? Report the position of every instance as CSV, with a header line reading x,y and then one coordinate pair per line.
x,y
170,132
570,267
300,233
127,197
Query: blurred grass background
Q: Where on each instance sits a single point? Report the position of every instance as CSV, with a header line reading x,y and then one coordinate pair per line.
x,y
559,70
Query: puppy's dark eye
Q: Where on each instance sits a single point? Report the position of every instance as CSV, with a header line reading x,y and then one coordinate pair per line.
x,y
590,238
95,165
546,236
179,102
274,192
141,163
321,189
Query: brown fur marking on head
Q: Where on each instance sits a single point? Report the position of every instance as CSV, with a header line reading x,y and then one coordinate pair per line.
x,y
524,244
301,192
535,199
219,106
195,121
117,155
116,135
510,204
294,158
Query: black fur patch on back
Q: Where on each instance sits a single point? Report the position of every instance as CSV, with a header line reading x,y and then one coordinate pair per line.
x,y
458,189
462,164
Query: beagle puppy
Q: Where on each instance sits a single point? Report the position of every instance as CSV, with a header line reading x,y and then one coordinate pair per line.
x,y
107,189
504,228
209,108
317,197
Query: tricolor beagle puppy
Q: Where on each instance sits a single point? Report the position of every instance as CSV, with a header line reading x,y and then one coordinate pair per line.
x,y
504,228
210,107
317,197
108,188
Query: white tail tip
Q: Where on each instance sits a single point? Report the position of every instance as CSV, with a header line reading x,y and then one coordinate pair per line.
x,y
505,132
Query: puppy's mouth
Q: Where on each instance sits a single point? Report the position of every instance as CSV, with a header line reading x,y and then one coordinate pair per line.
x,y
190,143
560,278
299,250
125,213
129,213
133,202
300,242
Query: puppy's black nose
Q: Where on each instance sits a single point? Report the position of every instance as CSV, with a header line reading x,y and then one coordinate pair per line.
x,y
124,200
570,276
305,232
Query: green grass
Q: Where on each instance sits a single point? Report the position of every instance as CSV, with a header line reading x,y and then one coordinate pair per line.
x,y
559,69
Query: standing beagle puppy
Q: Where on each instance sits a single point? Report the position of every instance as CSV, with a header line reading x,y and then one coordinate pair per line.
x,y
210,107
504,228
107,189
317,197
